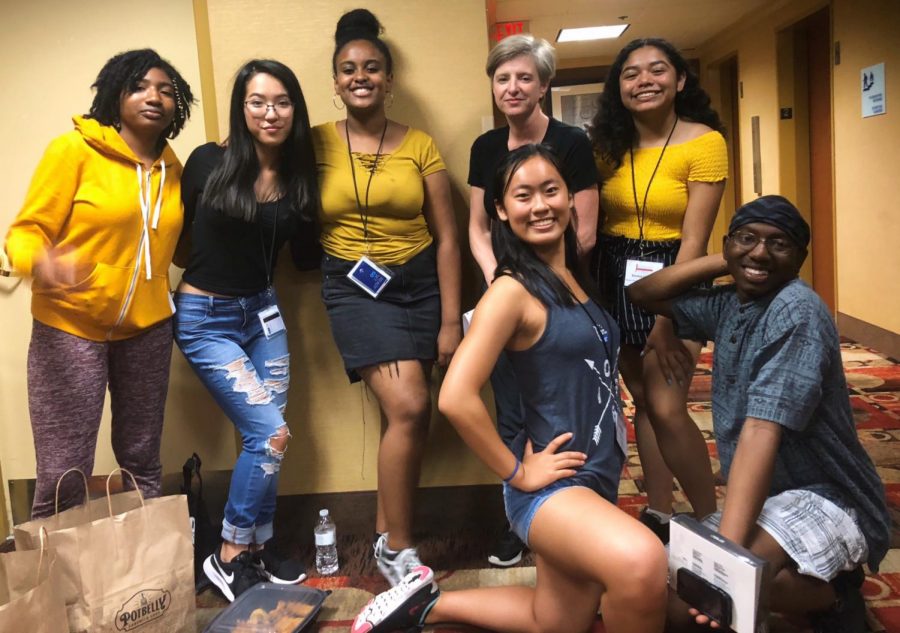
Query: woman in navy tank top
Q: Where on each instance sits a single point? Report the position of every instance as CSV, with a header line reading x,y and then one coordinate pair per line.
x,y
561,475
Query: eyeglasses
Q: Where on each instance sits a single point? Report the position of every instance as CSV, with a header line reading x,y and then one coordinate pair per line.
x,y
259,108
747,241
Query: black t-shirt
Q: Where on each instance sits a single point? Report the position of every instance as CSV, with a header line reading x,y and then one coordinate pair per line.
x,y
570,143
229,255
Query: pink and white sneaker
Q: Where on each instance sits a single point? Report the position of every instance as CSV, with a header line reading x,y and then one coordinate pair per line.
x,y
402,607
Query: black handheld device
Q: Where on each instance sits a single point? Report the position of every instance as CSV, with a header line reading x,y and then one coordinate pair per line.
x,y
704,596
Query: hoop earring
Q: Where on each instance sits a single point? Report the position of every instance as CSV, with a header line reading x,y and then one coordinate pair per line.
x,y
339,105
387,106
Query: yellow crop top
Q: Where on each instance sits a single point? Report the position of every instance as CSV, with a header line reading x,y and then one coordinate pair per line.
x,y
397,230
703,159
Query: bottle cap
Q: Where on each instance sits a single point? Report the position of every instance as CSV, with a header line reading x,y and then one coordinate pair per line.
x,y
323,512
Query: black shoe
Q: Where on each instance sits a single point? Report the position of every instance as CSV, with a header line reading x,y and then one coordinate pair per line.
x,y
656,526
848,615
233,578
507,551
278,569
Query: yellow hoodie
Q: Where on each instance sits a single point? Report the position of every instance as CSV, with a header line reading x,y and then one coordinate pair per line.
x,y
92,202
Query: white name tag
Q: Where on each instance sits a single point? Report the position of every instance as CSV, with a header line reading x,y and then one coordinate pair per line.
x,y
467,320
635,270
370,276
271,321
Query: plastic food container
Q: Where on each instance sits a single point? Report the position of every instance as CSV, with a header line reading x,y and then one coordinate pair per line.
x,y
270,608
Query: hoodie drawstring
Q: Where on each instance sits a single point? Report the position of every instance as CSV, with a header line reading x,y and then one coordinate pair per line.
x,y
145,194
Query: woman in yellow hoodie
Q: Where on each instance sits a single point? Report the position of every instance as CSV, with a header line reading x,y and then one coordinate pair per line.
x,y
97,233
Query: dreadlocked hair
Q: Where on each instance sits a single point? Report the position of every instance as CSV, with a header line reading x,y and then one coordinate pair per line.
x,y
122,74
517,259
612,130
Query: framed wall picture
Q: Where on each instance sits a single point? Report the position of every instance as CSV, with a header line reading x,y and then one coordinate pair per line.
x,y
575,105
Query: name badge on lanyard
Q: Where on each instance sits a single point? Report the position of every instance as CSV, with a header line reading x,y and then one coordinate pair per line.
x,y
370,276
636,270
271,321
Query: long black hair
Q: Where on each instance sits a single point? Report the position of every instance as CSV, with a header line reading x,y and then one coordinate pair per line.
x,y
360,24
121,75
516,258
229,188
612,130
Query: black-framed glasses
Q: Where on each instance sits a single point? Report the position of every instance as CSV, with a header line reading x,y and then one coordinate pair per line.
x,y
259,108
747,241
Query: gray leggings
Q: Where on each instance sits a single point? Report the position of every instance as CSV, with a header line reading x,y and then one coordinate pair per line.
x,y
67,381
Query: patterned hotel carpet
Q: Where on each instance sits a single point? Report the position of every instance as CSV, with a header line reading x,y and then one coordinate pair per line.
x,y
874,385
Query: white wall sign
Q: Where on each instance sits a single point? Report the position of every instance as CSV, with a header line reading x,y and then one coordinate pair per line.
x,y
872,86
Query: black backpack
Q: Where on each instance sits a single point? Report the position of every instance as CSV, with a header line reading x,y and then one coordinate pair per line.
x,y
204,533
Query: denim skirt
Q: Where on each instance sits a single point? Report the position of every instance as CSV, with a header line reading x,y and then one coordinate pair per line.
x,y
401,324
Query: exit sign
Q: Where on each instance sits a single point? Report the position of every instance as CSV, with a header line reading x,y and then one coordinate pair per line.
x,y
504,29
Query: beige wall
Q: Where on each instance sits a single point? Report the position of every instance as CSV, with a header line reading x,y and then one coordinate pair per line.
x,y
55,50
439,86
864,152
867,153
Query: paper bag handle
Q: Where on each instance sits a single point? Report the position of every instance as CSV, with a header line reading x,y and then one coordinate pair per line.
x,y
87,492
45,536
109,494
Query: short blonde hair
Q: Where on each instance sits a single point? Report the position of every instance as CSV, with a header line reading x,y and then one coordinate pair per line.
x,y
538,49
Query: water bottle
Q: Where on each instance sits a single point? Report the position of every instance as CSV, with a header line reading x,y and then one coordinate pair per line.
x,y
326,545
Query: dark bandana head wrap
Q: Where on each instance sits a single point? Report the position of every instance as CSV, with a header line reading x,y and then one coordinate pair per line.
x,y
777,211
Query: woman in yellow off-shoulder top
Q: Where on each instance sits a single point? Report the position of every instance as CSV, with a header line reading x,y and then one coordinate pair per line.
x,y
662,161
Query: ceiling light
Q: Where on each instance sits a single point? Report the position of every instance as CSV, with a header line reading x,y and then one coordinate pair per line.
x,y
591,33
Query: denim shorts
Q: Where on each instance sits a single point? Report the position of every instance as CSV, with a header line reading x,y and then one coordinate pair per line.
x,y
522,506
401,324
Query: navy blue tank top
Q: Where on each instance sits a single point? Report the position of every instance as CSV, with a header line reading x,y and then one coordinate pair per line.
x,y
569,382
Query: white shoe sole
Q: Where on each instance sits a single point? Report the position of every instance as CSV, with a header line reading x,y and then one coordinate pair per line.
x,y
281,581
496,562
215,578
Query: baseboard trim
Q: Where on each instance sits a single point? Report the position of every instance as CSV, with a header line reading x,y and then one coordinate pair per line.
x,y
883,340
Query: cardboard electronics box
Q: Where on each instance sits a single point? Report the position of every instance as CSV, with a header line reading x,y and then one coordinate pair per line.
x,y
737,575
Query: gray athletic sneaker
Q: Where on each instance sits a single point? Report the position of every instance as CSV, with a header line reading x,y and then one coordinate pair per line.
x,y
395,566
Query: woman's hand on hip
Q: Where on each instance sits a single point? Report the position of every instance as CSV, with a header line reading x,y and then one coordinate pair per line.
x,y
542,469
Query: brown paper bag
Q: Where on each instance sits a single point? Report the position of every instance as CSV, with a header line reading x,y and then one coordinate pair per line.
x,y
30,599
132,567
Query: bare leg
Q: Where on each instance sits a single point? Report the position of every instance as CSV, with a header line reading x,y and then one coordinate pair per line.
x,y
657,476
677,437
588,551
403,393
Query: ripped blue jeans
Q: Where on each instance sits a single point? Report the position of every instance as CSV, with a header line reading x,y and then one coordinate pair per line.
x,y
248,375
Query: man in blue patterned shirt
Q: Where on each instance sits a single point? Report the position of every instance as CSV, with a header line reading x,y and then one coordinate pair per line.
x,y
802,493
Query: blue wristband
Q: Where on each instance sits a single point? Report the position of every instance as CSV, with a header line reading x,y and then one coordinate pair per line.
x,y
514,472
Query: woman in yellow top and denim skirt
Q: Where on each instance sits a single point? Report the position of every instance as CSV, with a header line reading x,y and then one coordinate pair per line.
x,y
390,270
663,163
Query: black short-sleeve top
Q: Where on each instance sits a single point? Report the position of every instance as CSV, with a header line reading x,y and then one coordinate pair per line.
x,y
570,143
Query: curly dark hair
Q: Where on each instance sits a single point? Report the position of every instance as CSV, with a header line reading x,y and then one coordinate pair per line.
x,y
122,74
360,24
612,130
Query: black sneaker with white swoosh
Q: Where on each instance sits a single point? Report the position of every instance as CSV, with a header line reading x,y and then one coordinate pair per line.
x,y
235,577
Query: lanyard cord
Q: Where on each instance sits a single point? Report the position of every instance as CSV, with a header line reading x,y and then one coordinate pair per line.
x,y
598,329
641,211
364,210
269,258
